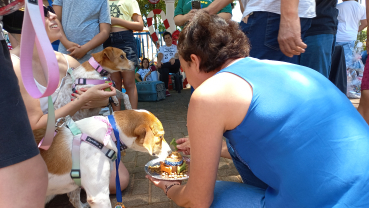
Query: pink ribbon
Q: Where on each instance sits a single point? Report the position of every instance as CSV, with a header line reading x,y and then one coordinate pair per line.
x,y
109,131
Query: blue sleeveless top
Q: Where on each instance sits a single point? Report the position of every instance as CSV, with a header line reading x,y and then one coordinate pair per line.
x,y
302,137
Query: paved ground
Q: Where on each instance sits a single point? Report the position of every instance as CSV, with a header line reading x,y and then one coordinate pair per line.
x,y
172,112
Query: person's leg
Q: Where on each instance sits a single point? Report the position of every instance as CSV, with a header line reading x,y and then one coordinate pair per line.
x,y
123,177
363,107
172,68
23,173
164,76
247,175
175,69
237,195
262,30
125,41
318,54
130,86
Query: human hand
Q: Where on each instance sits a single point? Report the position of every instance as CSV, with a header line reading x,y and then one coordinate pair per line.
x,y
96,93
70,44
172,61
77,52
289,37
159,65
162,183
183,145
90,104
190,14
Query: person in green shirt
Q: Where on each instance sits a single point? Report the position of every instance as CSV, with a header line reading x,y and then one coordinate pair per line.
x,y
184,12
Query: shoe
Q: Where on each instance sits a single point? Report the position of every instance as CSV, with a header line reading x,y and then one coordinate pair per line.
x,y
167,93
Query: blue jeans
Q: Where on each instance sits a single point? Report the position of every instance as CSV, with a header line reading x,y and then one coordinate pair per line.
x,y
318,54
125,41
251,193
262,30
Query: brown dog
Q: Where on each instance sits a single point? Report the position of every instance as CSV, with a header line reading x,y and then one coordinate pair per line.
x,y
92,72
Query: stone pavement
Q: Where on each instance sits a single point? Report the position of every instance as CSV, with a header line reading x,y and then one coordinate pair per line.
x,y
172,112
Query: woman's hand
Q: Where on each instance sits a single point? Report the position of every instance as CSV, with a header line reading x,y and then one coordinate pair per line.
x,y
183,145
69,45
190,14
161,183
95,96
78,52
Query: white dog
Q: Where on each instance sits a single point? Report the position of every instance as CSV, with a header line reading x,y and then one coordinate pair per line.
x,y
138,129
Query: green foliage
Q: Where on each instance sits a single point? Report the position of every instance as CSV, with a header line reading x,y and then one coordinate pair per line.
x,y
361,36
146,7
174,144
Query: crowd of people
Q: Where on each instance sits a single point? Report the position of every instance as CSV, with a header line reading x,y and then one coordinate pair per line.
x,y
292,148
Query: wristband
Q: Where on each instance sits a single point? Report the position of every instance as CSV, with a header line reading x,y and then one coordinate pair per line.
x,y
168,187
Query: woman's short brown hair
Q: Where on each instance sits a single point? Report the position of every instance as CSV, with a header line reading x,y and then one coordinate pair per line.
x,y
213,40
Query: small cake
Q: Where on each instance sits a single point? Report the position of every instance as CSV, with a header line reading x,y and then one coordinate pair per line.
x,y
173,166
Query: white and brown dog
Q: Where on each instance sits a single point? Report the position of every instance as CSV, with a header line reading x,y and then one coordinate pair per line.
x,y
138,129
92,72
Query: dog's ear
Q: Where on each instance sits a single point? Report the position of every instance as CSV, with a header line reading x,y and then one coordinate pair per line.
x,y
145,137
109,53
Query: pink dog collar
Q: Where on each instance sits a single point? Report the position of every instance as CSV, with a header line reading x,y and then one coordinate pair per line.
x,y
98,67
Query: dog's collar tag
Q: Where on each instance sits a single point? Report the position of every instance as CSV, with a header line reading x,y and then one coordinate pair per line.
x,y
119,205
98,67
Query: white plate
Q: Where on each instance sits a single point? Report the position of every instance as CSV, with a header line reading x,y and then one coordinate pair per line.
x,y
157,175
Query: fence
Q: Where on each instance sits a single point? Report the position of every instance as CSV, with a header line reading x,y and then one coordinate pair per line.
x,y
145,47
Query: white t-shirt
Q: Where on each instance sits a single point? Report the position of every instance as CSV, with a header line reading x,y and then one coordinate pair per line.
x,y
168,52
306,7
143,72
349,15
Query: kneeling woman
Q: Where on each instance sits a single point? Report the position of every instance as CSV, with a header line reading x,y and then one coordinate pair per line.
x,y
286,124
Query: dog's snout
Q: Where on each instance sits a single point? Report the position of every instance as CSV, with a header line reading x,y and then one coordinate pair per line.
x,y
153,154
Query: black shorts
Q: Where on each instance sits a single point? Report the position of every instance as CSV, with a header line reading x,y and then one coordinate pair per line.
x,y
16,138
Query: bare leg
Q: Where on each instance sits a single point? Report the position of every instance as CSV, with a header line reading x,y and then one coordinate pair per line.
x,y
123,177
364,105
130,86
24,184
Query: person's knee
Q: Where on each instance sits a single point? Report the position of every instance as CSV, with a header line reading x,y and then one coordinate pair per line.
x,y
123,178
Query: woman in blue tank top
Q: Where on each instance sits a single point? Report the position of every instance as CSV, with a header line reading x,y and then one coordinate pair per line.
x,y
285,124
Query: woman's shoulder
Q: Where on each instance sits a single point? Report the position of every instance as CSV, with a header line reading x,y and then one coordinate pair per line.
x,y
66,61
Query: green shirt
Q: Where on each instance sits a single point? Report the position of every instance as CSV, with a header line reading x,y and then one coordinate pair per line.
x,y
184,6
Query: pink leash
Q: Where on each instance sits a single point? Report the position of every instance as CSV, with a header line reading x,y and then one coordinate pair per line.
x,y
34,30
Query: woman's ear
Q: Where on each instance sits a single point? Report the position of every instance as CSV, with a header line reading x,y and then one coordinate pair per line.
x,y
196,61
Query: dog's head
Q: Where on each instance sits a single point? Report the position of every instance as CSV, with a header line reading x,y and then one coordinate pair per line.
x,y
142,132
113,60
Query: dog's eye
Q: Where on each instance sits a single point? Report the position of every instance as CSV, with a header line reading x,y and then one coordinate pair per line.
x,y
121,56
161,137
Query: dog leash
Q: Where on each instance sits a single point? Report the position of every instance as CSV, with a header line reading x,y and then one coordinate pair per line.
x,y
119,203
34,30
